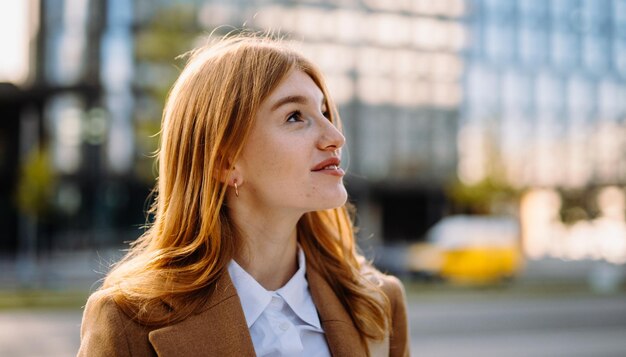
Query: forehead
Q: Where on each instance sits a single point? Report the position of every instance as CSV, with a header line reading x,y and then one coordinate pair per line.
x,y
296,83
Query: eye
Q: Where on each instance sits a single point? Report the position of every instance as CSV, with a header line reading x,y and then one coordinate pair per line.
x,y
295,117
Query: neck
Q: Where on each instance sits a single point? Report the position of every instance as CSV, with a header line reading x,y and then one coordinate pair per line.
x,y
269,252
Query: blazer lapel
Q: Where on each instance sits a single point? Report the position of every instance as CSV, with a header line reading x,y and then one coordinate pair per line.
x,y
220,328
341,334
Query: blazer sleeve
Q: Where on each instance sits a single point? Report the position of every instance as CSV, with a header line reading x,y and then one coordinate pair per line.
x,y
399,334
102,330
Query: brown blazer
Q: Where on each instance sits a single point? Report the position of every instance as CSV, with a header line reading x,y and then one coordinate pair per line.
x,y
220,328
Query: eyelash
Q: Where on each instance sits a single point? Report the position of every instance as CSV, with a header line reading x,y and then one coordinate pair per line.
x,y
298,116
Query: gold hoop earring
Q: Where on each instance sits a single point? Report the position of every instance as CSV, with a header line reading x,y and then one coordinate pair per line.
x,y
236,189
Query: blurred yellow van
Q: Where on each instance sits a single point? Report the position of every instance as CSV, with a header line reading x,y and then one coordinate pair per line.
x,y
469,250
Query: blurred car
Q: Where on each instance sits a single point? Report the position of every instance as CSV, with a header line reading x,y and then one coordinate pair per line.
x,y
469,250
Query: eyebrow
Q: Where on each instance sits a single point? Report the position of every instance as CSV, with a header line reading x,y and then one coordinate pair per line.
x,y
289,99
292,99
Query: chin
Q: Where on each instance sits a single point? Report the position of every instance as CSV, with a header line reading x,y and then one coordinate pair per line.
x,y
337,200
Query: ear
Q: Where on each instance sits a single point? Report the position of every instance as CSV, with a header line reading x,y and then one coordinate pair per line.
x,y
230,175
234,176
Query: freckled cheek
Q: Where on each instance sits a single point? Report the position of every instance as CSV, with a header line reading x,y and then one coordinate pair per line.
x,y
275,164
283,164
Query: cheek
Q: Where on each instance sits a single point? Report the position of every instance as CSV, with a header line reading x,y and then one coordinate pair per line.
x,y
287,168
278,162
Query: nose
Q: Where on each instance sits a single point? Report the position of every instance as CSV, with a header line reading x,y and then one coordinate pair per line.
x,y
331,137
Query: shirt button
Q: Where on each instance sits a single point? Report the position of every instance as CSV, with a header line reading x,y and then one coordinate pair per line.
x,y
284,326
276,303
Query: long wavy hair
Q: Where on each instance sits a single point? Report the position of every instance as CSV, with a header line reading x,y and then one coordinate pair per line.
x,y
206,120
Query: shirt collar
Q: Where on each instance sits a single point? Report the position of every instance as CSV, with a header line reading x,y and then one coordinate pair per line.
x,y
255,298
296,294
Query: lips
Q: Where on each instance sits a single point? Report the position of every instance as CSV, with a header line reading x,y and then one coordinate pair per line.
x,y
328,164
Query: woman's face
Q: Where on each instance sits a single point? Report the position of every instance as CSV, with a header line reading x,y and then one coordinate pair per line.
x,y
291,159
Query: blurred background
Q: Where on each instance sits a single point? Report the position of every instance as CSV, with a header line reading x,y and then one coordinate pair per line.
x,y
486,156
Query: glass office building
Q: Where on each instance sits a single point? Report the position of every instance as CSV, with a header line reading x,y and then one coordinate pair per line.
x,y
545,92
73,183
545,111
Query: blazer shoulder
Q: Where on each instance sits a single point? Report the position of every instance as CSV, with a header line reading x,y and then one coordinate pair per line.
x,y
100,332
102,298
391,286
106,330
102,306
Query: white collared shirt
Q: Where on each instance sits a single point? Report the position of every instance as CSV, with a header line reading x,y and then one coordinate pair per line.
x,y
282,322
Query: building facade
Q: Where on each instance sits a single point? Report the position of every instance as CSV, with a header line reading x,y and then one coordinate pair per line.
x,y
72,186
545,112
545,88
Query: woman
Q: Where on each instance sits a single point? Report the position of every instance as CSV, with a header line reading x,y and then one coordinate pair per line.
x,y
252,248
